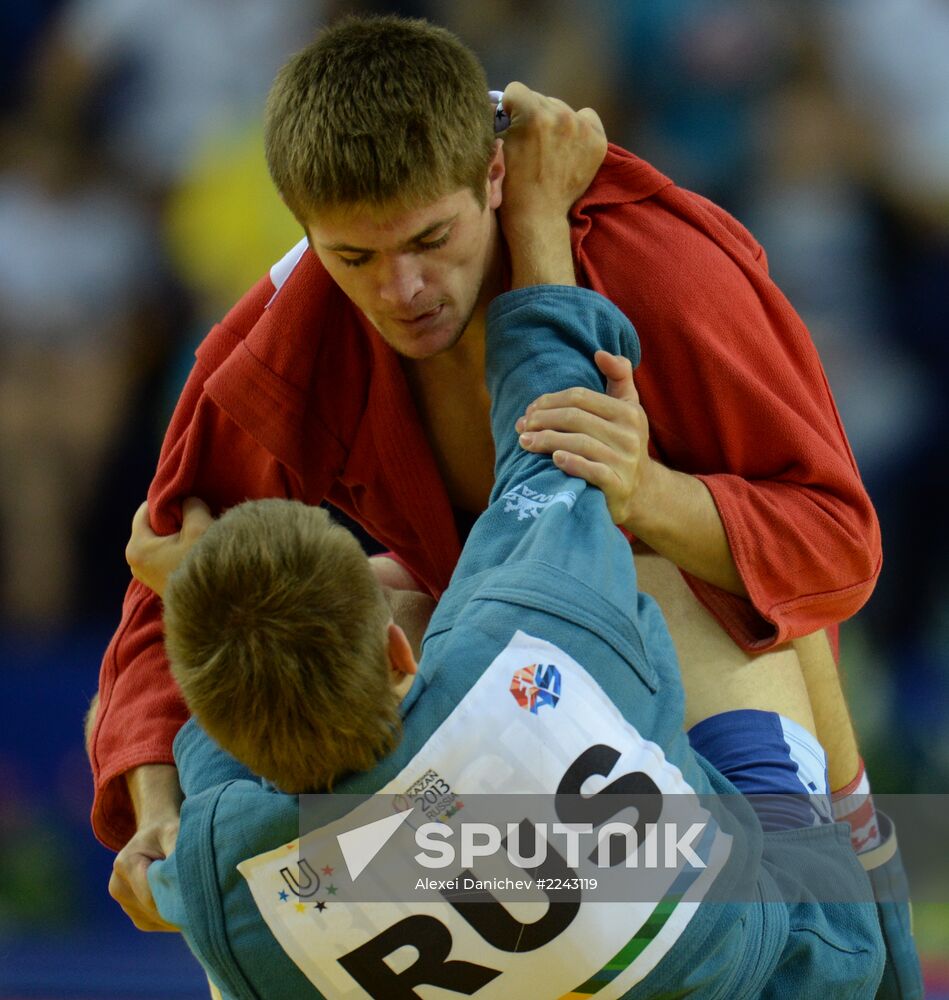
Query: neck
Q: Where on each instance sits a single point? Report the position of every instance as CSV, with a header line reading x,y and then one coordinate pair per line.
x,y
411,611
497,279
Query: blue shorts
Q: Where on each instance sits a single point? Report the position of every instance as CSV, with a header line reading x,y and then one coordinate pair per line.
x,y
773,760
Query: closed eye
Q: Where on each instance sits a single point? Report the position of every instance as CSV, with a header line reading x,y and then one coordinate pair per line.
x,y
434,244
421,245
355,261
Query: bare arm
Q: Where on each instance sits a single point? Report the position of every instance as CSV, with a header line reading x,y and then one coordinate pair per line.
x,y
153,788
677,517
551,154
603,438
156,799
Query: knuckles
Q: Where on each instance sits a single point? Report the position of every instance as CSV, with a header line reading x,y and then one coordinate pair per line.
x,y
550,113
575,397
564,120
133,556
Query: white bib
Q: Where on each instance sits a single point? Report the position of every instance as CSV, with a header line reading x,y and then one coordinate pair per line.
x,y
530,716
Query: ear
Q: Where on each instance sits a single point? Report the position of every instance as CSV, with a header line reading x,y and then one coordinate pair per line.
x,y
401,658
496,174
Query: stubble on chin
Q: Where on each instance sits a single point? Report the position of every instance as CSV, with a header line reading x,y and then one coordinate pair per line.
x,y
449,342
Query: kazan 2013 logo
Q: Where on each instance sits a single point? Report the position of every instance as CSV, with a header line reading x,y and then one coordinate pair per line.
x,y
535,686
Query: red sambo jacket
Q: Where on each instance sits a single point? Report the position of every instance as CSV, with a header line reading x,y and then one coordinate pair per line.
x,y
293,394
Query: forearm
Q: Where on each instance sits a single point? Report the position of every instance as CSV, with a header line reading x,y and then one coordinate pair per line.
x,y
156,797
155,793
140,711
540,253
551,154
676,516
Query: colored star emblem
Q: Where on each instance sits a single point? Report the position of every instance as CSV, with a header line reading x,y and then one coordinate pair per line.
x,y
321,906
300,908
284,896
331,890
327,870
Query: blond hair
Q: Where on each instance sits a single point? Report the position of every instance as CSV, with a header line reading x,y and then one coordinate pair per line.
x,y
276,632
378,110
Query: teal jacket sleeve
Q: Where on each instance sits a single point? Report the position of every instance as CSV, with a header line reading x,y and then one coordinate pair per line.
x,y
540,521
581,322
542,339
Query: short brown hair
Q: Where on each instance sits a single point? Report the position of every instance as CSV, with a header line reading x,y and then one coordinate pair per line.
x,y
378,110
276,632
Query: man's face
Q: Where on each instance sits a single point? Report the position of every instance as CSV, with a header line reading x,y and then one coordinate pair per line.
x,y
416,273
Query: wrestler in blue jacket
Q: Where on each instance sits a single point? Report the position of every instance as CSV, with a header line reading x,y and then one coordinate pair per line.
x,y
545,676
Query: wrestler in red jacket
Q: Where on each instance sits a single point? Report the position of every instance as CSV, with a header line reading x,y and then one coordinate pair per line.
x,y
295,394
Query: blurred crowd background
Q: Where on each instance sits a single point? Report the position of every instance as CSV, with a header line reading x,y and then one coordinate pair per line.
x,y
135,208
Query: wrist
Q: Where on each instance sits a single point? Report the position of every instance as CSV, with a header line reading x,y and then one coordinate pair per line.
x,y
649,502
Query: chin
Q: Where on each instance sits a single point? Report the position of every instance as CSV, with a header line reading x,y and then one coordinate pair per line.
x,y
425,345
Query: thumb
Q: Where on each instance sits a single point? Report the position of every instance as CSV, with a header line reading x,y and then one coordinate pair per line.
x,y
619,376
195,518
518,101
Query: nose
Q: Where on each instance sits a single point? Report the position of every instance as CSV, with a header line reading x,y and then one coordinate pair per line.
x,y
400,279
